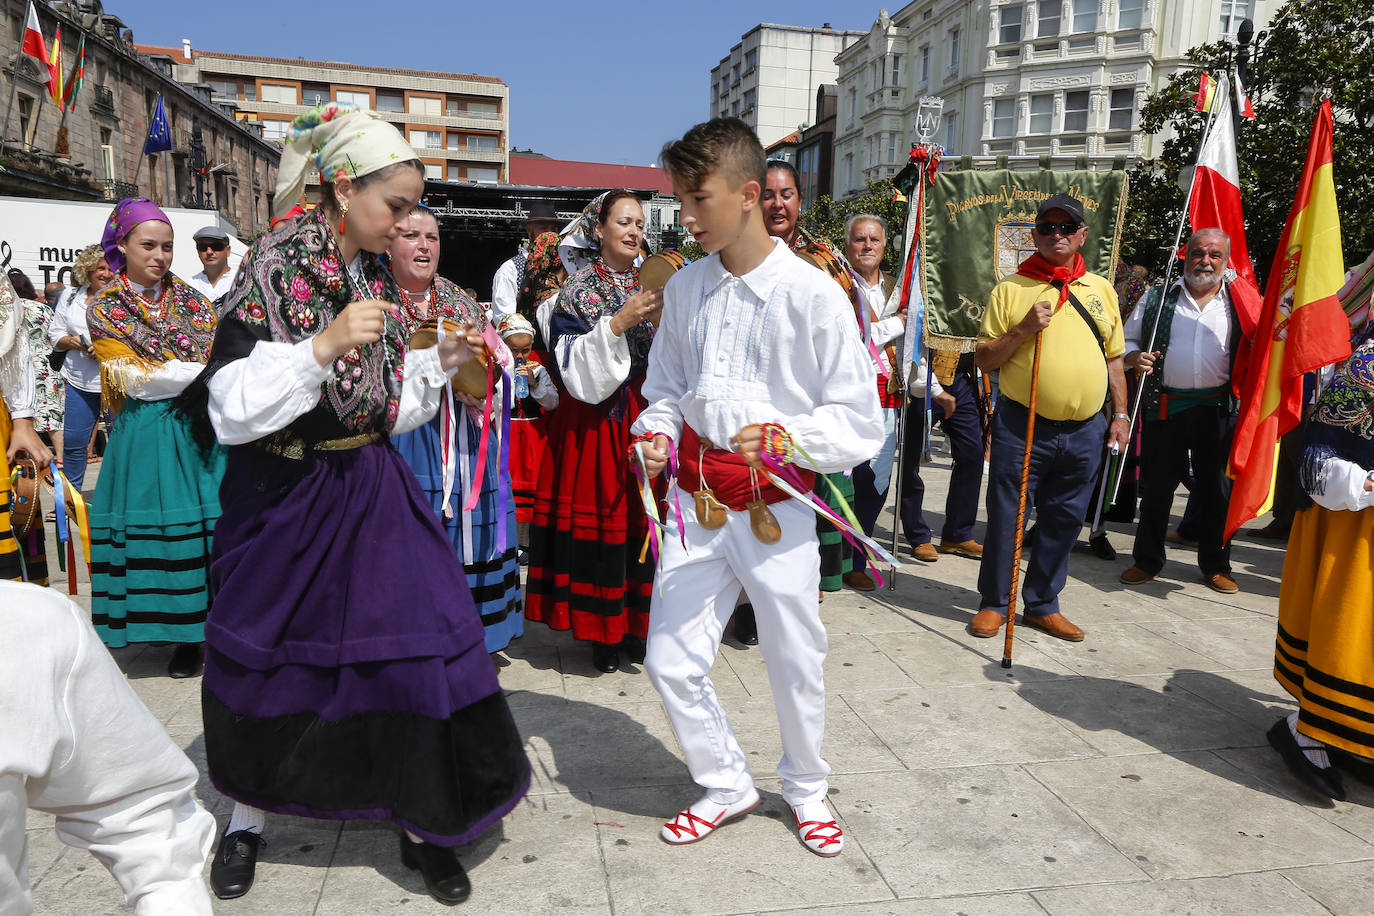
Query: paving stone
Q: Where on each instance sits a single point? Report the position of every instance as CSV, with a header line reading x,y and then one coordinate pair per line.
x,y
1119,650
1356,814
850,745
751,865
989,905
1137,715
1252,695
853,662
964,726
1193,814
1342,889
938,659
1254,895
973,830
1240,642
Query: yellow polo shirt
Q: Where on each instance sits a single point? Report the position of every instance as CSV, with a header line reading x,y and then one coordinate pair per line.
x,y
1073,374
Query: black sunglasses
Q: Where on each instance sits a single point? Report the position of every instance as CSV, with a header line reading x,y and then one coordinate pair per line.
x,y
1065,228
217,246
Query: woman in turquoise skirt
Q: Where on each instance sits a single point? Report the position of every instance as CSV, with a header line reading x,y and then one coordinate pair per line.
x,y
486,537
157,499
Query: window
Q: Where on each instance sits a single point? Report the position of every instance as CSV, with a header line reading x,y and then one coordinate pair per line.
x,y
1122,115
1233,12
1011,18
250,92
1041,113
1004,117
1085,15
223,89
852,106
868,152
274,130
749,97
25,116
951,133
426,139
391,101
953,52
280,95
483,174
352,97
734,108
892,147
1076,111
485,143
486,110
419,105
455,172
896,69
751,60
1047,26
925,65
874,75
434,172
1129,13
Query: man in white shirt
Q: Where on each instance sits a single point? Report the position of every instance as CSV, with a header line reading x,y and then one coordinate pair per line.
x,y
75,741
215,277
1188,407
505,286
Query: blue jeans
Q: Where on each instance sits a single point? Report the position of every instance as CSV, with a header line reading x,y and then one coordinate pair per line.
x,y
1064,461
82,411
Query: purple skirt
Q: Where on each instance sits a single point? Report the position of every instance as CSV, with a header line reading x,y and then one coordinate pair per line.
x,y
346,674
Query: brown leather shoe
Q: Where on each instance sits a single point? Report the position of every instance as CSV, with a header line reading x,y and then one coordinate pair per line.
x,y
925,552
859,580
970,548
1135,576
1173,537
1220,582
1057,625
986,623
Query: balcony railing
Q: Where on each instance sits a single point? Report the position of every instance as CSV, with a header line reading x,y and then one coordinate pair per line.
x,y
118,190
102,100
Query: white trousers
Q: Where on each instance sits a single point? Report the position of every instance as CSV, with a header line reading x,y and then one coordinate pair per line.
x,y
695,594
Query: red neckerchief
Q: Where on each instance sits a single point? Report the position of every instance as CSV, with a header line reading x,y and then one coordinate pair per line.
x,y
1037,268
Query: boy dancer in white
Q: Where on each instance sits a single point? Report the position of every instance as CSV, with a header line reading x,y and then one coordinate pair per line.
x,y
750,335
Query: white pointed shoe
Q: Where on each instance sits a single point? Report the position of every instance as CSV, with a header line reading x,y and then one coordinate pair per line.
x,y
817,829
704,818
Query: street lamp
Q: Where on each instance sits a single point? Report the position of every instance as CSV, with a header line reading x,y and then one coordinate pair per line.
x,y
198,166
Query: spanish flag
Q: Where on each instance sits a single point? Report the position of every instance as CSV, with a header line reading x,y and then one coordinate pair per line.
x,y
1302,327
1206,92
55,69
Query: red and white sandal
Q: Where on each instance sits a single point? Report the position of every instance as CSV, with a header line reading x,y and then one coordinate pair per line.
x,y
818,830
704,818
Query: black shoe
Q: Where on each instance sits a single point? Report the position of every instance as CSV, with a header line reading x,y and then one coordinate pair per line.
x,y
1327,782
634,649
606,657
1101,547
188,660
746,627
236,860
1274,531
443,873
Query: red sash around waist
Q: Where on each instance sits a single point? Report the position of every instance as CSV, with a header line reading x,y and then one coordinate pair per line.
x,y
727,474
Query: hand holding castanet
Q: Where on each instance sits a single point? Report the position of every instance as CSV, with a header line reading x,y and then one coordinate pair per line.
x,y
360,322
640,307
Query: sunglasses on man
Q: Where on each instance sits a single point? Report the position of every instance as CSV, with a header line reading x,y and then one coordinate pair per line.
x,y
216,246
1065,228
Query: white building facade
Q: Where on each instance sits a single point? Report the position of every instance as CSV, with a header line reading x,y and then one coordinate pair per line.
x,y
1017,77
769,79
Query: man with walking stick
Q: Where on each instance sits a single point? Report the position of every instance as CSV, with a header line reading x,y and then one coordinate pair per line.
x,y
1054,331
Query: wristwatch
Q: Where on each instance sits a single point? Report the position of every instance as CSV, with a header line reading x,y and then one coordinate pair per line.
x,y
1121,416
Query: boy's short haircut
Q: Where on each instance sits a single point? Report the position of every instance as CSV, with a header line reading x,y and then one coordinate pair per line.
x,y
724,145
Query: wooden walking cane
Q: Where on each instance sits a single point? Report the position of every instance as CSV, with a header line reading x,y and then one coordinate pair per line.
x,y
1021,503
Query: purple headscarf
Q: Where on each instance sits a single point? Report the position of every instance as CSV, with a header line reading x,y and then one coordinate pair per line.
x,y
127,214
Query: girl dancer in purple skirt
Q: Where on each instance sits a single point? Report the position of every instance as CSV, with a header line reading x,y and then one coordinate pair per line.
x,y
346,675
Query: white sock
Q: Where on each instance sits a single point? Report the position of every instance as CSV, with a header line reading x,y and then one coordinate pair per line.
x,y
246,817
816,810
413,837
1315,750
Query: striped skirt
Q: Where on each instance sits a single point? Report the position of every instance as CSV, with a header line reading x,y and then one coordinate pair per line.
x,y
152,522
835,550
1324,654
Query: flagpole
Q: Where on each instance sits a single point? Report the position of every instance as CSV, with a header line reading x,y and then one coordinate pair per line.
x,y
1223,86
70,80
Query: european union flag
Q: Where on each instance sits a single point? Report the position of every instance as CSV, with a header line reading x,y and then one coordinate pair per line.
x,y
159,134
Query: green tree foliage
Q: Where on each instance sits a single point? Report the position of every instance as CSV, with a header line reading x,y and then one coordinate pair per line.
x,y
827,216
1310,45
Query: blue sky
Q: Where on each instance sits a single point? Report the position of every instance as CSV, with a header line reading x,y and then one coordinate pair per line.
x,y
607,81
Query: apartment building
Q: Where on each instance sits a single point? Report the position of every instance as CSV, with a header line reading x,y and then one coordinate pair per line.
x,y
1017,77
771,76
457,122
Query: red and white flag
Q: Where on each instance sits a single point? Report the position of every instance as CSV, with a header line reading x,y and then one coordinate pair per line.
x,y
1243,100
34,46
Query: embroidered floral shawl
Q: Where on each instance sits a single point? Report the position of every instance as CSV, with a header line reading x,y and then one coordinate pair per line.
x,y
289,288
588,297
447,299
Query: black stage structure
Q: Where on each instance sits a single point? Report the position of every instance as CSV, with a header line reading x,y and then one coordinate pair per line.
x,y
481,225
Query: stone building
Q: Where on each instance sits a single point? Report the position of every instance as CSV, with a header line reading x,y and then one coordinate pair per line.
x,y
100,153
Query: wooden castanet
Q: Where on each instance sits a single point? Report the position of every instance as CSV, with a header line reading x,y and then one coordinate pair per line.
x,y
655,273
471,377
818,255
